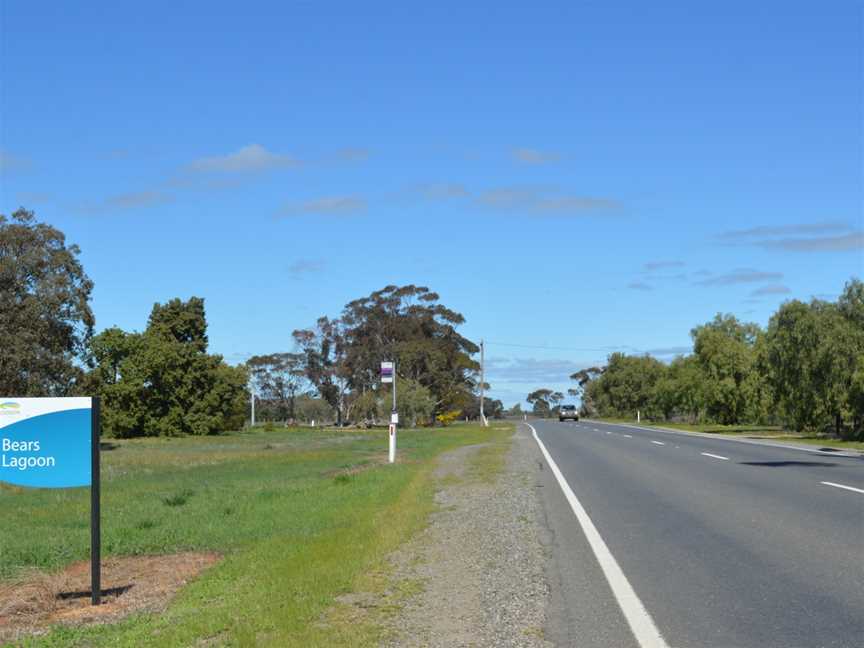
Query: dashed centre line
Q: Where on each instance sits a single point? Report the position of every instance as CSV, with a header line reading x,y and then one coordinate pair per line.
x,y
849,488
658,442
713,456
629,436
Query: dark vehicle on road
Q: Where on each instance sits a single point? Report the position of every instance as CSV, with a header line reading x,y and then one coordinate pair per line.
x,y
568,412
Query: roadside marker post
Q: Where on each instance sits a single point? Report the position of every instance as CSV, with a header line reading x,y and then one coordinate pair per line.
x,y
54,443
388,375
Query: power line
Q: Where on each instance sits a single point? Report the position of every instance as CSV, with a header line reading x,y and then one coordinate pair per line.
x,y
557,348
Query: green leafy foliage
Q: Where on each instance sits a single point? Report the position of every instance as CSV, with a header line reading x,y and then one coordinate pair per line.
x,y
806,370
277,379
404,324
162,382
45,317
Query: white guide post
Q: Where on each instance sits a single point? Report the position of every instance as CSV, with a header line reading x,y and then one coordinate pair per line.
x,y
388,374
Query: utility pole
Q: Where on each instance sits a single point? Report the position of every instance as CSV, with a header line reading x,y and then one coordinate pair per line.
x,y
482,382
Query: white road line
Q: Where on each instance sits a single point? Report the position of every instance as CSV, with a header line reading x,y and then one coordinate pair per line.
x,y
595,429
641,623
708,454
629,436
768,444
658,442
849,488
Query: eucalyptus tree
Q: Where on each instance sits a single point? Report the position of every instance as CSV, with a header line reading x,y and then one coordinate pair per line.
x,y
278,378
45,317
325,358
409,325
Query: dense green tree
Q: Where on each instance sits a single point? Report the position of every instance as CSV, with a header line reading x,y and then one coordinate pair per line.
x,y
45,317
162,382
626,385
725,349
791,363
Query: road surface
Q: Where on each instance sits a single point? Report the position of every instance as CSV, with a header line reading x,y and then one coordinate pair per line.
x,y
716,543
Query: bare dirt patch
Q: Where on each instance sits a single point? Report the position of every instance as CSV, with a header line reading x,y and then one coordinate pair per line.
x,y
33,602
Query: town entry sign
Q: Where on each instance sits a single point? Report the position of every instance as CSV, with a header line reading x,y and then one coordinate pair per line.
x,y
46,442
54,443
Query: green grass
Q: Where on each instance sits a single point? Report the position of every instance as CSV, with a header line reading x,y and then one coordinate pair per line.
x,y
486,464
301,516
768,432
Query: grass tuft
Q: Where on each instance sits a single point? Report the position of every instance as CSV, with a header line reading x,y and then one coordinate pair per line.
x,y
178,499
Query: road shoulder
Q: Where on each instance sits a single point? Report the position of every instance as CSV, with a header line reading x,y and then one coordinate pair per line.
x,y
480,563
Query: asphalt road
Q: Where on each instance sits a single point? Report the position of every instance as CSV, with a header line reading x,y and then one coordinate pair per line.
x,y
724,543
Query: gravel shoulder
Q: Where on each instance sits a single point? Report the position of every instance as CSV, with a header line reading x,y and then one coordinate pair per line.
x,y
480,567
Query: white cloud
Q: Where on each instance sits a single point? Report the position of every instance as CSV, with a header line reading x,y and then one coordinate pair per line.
x,y
535,202
305,266
771,289
639,285
669,351
127,201
824,227
844,243
533,156
328,206
650,266
353,154
252,158
530,371
443,191
741,276
9,162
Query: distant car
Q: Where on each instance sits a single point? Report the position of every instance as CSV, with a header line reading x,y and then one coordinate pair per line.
x,y
568,412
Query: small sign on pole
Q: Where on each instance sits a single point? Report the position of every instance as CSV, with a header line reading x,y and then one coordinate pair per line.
x,y
388,375
54,443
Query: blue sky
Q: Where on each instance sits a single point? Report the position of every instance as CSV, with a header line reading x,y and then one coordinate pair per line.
x,y
573,177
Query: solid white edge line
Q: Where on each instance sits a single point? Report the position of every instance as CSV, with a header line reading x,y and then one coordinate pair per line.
x,y
849,488
658,442
708,454
715,437
640,621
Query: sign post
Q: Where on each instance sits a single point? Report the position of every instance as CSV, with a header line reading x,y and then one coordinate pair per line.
x,y
95,505
54,443
388,375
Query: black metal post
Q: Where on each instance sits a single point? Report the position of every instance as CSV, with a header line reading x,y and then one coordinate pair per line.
x,y
95,513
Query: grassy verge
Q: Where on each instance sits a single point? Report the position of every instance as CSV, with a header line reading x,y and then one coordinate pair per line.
x,y
302,516
768,432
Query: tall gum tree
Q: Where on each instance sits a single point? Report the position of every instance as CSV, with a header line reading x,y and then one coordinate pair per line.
x,y
45,317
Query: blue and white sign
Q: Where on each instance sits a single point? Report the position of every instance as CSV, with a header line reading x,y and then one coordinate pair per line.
x,y
46,442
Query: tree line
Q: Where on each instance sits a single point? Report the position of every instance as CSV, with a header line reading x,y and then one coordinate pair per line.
x,y
804,371
163,381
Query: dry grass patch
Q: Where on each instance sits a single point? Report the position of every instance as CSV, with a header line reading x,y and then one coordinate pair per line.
x,y
34,601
